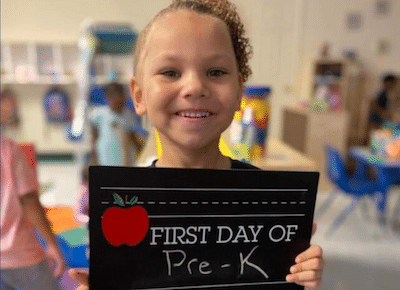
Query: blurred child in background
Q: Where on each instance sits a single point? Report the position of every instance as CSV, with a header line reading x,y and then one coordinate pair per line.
x,y
24,264
386,105
112,130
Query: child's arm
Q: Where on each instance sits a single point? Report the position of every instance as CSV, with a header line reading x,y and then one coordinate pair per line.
x,y
395,109
33,210
95,136
81,207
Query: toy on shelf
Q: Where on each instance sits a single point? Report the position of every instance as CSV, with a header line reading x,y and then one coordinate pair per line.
x,y
319,106
249,127
328,96
386,141
393,146
335,98
393,149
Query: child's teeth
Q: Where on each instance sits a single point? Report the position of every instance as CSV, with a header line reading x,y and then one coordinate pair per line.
x,y
194,114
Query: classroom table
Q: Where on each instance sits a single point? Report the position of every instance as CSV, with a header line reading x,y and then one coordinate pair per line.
x,y
387,171
281,157
278,157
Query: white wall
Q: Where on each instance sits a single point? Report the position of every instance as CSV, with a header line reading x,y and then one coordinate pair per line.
x,y
316,21
60,20
33,126
326,22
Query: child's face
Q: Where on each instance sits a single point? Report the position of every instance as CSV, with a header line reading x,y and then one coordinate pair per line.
x,y
188,80
116,102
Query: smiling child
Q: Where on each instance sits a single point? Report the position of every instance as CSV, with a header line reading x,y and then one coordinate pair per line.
x,y
191,66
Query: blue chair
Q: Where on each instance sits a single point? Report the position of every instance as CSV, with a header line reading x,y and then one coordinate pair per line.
x,y
357,187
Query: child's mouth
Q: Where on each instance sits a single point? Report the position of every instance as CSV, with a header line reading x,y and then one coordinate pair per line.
x,y
194,114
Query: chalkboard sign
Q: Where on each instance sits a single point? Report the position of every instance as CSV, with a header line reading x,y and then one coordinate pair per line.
x,y
158,228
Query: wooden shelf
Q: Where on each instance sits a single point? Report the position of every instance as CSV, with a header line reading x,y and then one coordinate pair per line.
x,y
348,76
309,132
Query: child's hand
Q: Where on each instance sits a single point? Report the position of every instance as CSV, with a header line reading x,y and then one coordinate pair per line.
x,y
56,260
308,269
81,277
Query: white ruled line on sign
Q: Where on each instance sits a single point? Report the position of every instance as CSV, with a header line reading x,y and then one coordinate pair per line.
x,y
214,202
274,215
216,286
204,189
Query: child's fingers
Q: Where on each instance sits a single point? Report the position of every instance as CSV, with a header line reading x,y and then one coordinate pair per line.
x,y
79,276
312,252
309,279
311,264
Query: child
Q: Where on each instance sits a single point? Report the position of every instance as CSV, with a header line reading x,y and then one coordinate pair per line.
x,y
385,105
23,262
191,65
112,130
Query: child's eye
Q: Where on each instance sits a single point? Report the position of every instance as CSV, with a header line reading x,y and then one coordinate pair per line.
x,y
170,73
216,73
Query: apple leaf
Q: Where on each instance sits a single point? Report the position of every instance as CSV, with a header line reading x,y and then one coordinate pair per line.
x,y
133,200
118,200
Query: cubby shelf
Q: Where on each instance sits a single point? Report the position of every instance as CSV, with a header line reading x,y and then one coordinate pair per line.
x,y
56,63
309,131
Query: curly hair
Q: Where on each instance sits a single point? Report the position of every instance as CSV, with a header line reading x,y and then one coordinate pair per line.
x,y
222,9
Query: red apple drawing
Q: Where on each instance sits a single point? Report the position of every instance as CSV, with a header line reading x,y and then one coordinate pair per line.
x,y
125,225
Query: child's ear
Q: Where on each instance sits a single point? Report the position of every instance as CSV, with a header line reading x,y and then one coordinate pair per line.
x,y
137,97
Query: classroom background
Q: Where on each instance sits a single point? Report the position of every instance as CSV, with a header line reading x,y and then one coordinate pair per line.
x,y
320,65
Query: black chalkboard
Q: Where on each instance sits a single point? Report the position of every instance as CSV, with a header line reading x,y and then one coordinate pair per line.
x,y
158,228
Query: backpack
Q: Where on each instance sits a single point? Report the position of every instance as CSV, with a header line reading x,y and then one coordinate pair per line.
x,y
57,107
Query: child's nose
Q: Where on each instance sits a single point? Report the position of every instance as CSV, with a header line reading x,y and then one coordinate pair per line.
x,y
195,85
